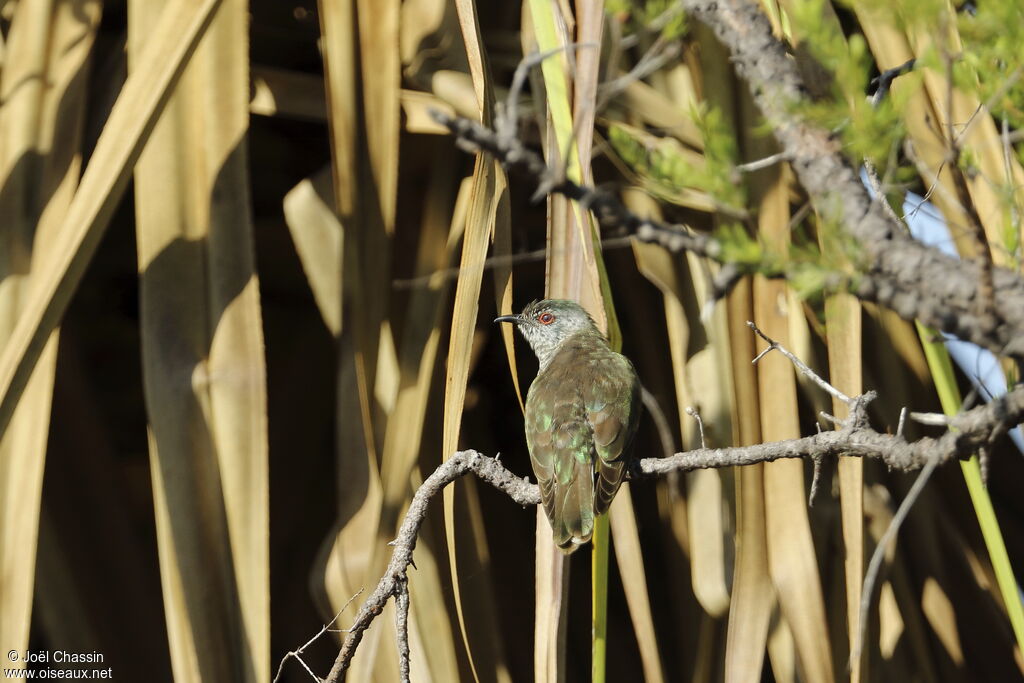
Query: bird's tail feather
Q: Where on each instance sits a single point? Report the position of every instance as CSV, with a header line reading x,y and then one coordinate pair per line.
x,y
574,501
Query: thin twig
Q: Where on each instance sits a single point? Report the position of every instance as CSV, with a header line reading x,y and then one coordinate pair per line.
x,y
660,421
874,566
1004,86
506,122
297,654
752,166
876,187
661,53
800,365
935,185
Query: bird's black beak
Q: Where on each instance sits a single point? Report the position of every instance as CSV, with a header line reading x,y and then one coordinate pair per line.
x,y
507,319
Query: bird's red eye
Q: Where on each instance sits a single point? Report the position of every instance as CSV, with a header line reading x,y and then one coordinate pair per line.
x,y
546,318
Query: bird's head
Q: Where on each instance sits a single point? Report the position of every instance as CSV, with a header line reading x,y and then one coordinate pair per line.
x,y
547,323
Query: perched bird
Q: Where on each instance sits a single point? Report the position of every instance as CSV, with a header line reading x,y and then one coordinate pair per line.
x,y
582,411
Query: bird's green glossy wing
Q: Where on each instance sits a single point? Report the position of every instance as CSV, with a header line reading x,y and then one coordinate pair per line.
x,y
611,398
561,451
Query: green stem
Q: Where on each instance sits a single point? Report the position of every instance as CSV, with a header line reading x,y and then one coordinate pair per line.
x,y
949,395
599,596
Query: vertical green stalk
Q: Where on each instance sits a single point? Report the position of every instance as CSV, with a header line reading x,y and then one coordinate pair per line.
x,y
599,596
949,395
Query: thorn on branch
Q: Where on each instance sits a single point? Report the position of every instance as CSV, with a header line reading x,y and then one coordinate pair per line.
x,y
930,419
692,412
832,419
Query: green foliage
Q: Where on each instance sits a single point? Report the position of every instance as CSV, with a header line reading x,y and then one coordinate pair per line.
x,y
660,164
1011,237
720,151
992,61
739,248
663,166
810,272
967,161
657,160
809,279
670,12
664,16
868,132
849,62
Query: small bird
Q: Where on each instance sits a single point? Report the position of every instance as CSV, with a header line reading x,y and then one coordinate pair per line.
x,y
582,411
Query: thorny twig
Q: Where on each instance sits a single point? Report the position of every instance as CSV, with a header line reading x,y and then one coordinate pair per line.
x,y
609,211
297,654
857,406
394,582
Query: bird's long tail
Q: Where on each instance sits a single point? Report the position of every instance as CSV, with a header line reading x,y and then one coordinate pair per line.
x,y
570,507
